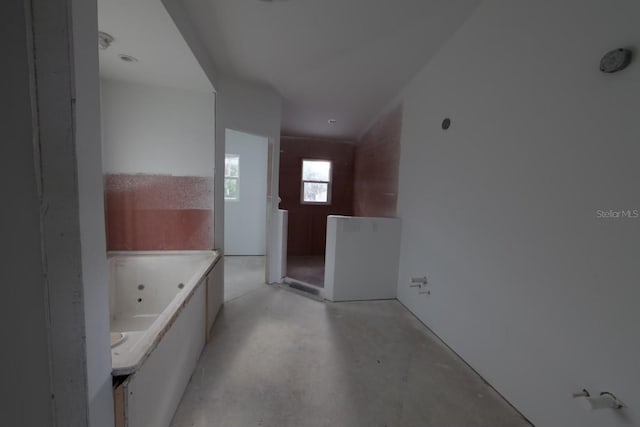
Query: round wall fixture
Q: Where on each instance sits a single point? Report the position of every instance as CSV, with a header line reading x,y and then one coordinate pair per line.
x,y
615,60
104,40
446,123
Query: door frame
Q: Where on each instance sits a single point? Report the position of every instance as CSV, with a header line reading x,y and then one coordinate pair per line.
x,y
271,165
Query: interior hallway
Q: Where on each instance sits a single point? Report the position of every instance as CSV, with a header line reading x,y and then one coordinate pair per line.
x,y
279,359
243,274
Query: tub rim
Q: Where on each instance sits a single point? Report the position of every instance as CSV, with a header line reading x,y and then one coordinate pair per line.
x,y
168,316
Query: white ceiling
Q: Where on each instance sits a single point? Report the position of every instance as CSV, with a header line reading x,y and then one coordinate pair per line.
x,y
143,29
329,59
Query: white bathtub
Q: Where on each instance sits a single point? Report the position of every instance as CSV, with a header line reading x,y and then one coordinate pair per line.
x,y
147,292
163,303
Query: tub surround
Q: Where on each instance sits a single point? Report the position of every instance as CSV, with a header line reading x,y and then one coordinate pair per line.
x,y
146,212
164,302
148,291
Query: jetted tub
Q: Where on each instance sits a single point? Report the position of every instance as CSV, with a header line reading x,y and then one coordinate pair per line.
x,y
162,305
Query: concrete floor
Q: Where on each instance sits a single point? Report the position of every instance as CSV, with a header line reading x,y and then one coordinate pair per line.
x,y
242,274
279,359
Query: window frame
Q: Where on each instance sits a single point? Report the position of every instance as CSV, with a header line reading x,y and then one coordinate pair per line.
x,y
234,178
303,181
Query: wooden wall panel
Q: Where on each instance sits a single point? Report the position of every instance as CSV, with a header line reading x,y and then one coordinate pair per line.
x,y
308,223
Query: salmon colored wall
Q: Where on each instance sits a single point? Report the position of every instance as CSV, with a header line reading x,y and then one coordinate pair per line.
x,y
377,159
158,212
308,223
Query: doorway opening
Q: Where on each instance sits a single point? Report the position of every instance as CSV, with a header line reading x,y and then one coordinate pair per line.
x,y
246,184
316,180
306,264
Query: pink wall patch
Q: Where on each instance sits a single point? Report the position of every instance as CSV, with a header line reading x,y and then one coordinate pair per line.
x,y
158,212
377,162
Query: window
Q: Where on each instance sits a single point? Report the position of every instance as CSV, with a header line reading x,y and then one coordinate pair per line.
x,y
316,181
231,177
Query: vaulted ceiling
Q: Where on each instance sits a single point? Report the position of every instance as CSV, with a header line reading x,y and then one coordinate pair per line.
x,y
143,29
329,59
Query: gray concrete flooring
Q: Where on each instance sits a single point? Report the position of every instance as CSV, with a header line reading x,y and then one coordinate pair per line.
x,y
279,359
242,274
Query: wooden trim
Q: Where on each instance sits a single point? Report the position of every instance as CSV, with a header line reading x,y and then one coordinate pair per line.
x,y
118,405
206,309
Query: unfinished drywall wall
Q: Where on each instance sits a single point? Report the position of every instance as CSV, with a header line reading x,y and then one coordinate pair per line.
x,y
156,130
375,175
159,160
529,284
29,402
361,261
242,106
256,110
246,217
183,23
58,374
88,152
